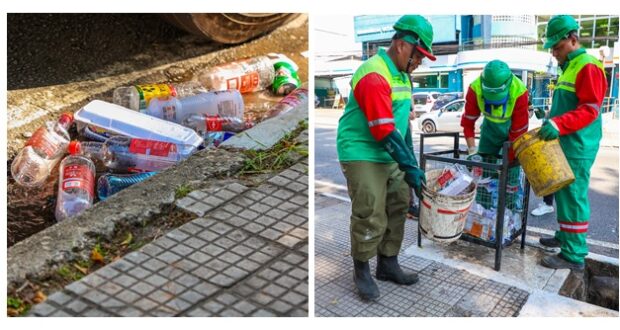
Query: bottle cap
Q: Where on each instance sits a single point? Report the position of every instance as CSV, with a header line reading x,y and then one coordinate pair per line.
x,y
74,147
66,117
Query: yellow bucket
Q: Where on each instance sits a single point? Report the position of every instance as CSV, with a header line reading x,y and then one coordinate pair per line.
x,y
544,163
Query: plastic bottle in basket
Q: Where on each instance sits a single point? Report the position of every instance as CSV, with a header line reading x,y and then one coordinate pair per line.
x,y
205,123
286,79
121,153
76,186
42,152
247,76
137,97
296,99
109,184
175,109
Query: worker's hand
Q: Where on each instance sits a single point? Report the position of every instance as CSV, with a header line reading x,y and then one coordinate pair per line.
x,y
540,113
414,177
548,131
472,150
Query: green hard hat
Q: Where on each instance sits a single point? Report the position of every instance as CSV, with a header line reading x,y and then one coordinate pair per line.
x,y
496,78
558,28
422,28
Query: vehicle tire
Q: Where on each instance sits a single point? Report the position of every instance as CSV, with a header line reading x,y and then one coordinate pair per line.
x,y
428,127
229,28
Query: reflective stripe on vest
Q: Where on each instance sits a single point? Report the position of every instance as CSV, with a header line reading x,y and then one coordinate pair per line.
x,y
568,78
501,113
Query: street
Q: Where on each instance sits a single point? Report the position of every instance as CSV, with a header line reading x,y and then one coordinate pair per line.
x,y
603,228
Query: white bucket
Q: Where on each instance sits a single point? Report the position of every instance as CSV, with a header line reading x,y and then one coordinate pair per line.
x,y
442,217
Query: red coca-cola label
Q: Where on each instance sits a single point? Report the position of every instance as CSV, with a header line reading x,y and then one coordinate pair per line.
x,y
78,176
246,83
151,147
213,123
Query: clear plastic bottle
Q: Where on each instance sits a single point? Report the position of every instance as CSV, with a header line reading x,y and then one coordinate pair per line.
x,y
214,139
296,99
121,153
109,184
247,76
76,187
42,152
204,123
137,97
223,103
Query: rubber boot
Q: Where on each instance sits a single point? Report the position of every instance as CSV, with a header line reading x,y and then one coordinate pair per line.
x,y
549,242
558,262
366,287
389,270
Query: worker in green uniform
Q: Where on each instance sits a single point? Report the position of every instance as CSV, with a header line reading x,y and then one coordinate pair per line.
x,y
376,154
575,119
502,99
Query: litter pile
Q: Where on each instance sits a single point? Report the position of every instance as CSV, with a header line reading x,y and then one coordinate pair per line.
x,y
149,128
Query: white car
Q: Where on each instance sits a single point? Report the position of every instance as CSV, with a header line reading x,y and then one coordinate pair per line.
x,y
422,102
448,119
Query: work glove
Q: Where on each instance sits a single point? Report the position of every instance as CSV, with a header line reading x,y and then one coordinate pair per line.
x,y
540,113
548,131
395,145
472,151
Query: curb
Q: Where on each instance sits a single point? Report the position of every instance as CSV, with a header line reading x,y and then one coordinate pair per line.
x,y
36,256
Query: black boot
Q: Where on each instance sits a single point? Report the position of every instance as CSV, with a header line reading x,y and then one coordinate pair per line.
x,y
389,270
549,242
558,262
367,288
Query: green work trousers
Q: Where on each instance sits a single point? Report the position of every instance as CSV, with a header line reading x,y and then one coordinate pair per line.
x,y
379,202
573,212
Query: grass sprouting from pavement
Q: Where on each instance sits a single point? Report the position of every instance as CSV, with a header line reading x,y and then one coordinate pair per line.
x,y
280,156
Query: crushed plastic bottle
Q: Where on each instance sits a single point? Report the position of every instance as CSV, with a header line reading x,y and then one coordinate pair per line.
x,y
121,153
296,99
286,78
247,75
76,186
138,97
34,163
223,103
204,123
109,184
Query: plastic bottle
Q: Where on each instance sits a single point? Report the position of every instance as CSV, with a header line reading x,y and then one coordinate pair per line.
x,y
109,184
214,139
43,150
126,154
247,75
222,103
296,99
137,97
286,79
204,123
76,186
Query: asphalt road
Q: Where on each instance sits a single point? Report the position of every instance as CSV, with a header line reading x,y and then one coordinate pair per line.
x,y
603,189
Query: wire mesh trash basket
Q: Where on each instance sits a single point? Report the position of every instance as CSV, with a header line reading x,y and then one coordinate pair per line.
x,y
443,217
499,214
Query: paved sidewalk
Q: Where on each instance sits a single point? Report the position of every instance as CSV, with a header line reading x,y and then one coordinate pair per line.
x,y
455,280
245,255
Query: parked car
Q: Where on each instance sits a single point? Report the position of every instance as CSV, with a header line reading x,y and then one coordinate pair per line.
x,y
448,119
446,98
422,102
